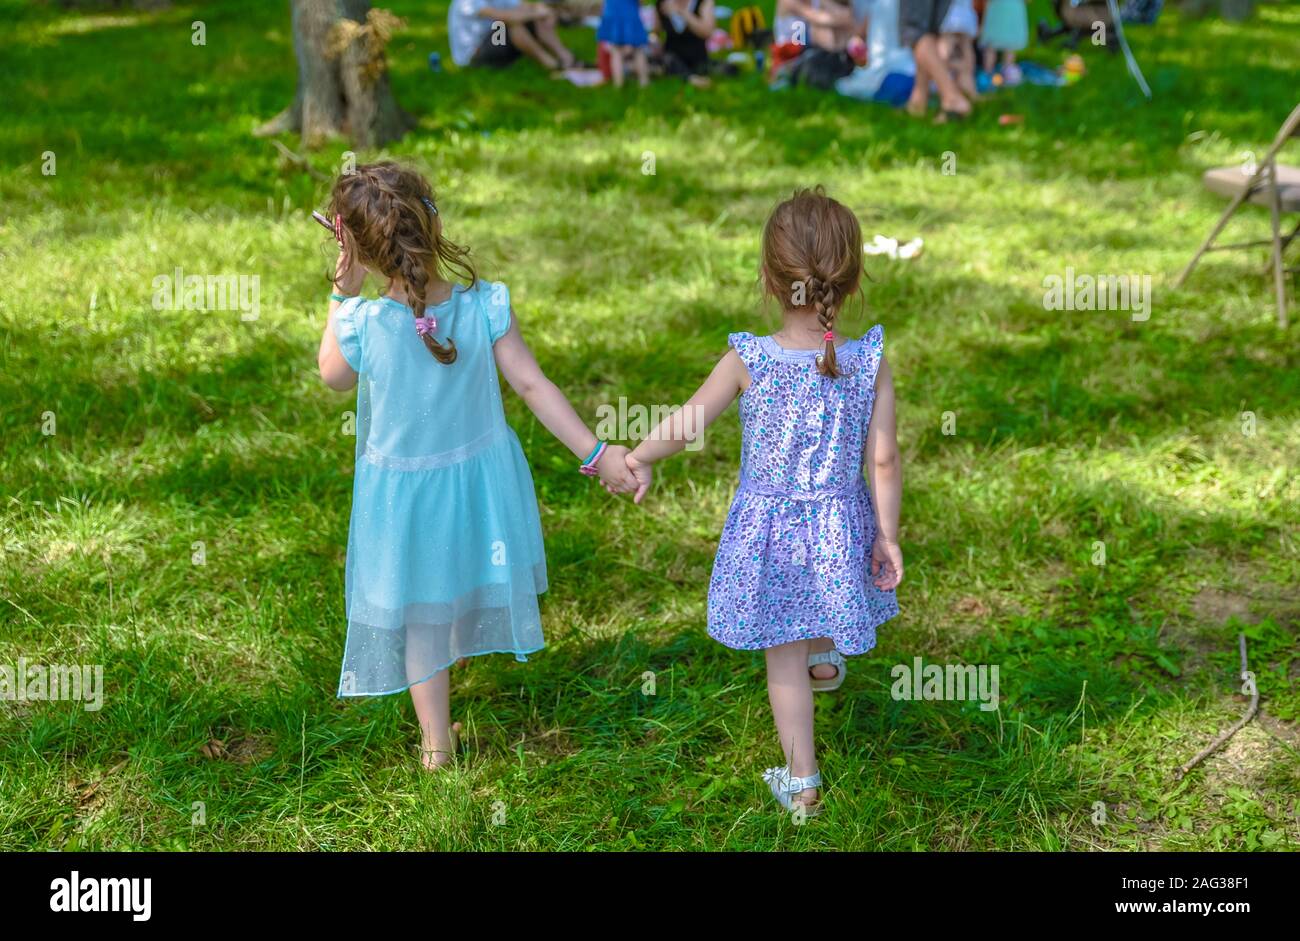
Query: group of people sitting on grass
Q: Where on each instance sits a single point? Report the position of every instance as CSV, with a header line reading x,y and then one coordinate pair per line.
x,y
924,44
498,32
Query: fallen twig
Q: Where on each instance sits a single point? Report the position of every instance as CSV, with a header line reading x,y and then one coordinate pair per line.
x,y
89,792
1237,727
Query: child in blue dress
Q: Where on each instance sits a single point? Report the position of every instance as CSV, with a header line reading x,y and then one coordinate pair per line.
x,y
1005,31
809,557
622,29
445,556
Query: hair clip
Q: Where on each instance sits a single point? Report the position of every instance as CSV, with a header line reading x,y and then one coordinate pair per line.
x,y
429,202
425,326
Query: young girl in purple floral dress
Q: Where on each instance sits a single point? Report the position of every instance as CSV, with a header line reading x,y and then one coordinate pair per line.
x,y
808,562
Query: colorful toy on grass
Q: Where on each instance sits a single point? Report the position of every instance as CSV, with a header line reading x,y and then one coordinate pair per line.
x,y
1073,69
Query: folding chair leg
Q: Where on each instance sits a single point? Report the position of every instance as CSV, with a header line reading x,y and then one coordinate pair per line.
x,y
1279,277
1209,240
1287,240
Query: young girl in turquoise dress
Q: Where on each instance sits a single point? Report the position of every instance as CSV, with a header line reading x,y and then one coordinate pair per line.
x,y
445,557
1005,31
809,557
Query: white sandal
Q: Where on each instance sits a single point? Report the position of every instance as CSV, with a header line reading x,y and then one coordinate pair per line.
x,y
835,659
784,788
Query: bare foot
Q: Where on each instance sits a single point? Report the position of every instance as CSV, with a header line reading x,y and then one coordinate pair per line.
x,y
433,757
956,106
807,798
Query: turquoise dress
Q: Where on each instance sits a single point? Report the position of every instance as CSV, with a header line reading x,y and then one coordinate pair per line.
x,y
1006,26
445,556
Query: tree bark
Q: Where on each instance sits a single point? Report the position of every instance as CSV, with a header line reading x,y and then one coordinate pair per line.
x,y
343,88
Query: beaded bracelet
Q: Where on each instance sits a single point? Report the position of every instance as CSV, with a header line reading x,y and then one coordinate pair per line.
x,y
589,465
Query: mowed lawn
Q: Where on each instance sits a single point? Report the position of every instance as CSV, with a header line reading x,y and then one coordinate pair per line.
x,y
1165,447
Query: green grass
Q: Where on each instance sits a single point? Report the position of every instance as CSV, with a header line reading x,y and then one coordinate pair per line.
x,y
1071,428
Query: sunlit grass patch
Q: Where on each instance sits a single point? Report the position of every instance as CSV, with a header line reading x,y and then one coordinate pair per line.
x,y
1096,503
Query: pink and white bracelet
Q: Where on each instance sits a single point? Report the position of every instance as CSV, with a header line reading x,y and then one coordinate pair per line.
x,y
589,465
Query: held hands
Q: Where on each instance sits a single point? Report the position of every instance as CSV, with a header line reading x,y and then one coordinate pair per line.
x,y
613,470
642,473
886,564
620,472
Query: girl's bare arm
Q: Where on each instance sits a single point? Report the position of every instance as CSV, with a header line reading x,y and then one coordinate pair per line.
x,y
728,379
884,468
552,408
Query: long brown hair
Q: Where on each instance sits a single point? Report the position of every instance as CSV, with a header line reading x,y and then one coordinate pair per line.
x,y
389,212
812,258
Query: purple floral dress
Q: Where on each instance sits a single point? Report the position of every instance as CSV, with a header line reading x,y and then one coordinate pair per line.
x,y
794,560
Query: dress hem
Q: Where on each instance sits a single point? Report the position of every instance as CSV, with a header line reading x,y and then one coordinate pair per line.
x,y
829,637
520,655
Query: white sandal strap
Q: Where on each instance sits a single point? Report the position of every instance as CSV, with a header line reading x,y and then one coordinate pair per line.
x,y
789,784
831,656
802,784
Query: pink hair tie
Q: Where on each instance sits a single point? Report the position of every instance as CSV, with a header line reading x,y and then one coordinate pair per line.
x,y
830,335
425,326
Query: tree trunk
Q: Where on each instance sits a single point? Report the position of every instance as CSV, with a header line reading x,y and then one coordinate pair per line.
x,y
343,86
1236,11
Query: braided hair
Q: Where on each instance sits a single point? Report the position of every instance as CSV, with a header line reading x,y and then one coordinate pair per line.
x,y
812,260
390,214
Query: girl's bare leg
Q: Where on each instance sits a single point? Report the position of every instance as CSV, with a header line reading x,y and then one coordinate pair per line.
x,y
791,696
642,65
438,736
616,54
